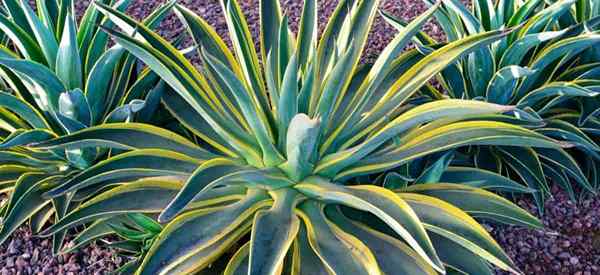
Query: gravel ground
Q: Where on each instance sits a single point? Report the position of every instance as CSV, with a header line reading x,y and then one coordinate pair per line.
x,y
26,254
570,243
211,11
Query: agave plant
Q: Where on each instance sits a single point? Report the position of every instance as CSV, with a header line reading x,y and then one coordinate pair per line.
x,y
60,79
549,69
273,172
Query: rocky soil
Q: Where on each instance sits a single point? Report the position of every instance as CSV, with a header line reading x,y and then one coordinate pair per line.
x,y
569,244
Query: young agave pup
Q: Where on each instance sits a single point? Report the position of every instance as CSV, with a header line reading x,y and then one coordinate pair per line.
x,y
283,143
61,78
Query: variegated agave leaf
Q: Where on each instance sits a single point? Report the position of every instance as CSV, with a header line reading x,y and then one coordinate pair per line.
x,y
285,143
61,78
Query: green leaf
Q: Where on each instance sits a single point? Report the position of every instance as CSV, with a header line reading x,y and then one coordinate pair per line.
x,y
61,206
273,232
205,259
563,89
287,106
428,140
518,50
130,165
524,12
270,19
477,203
561,159
565,131
409,83
471,24
99,80
44,36
100,228
210,171
239,262
74,105
455,225
450,108
145,222
393,255
253,113
501,88
186,115
17,14
26,45
459,258
484,179
527,165
382,203
349,24
550,54
129,198
40,75
24,110
41,218
183,83
245,52
434,171
340,252
27,201
336,81
194,231
207,38
305,260
87,28
8,157
25,137
284,48
302,137
68,62
420,37
486,11
540,20
127,136
307,34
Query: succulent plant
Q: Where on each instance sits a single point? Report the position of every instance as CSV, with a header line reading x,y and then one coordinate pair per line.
x,y
60,79
548,69
271,180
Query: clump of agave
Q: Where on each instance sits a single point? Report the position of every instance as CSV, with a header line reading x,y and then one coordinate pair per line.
x,y
279,149
60,78
548,69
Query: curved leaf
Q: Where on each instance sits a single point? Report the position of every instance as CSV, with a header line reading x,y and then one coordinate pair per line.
x,y
480,178
454,224
341,252
146,161
477,202
196,230
382,203
393,255
23,110
127,136
428,140
273,232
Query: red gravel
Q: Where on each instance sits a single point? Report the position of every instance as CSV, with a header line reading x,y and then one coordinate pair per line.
x,y
26,254
569,244
381,34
